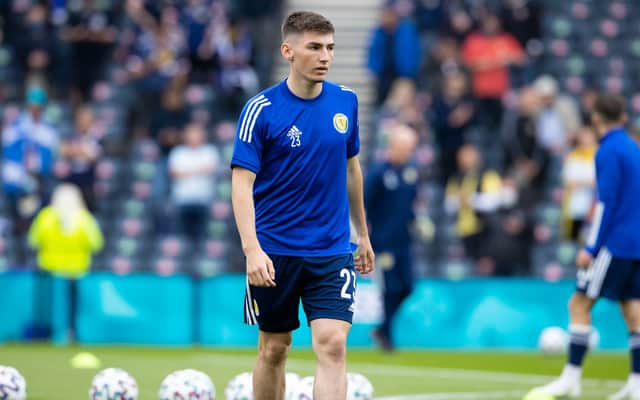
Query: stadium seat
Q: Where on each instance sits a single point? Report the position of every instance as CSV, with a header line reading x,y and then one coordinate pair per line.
x,y
566,253
133,208
224,132
458,269
205,266
559,27
172,247
217,229
145,150
165,266
223,191
141,189
215,248
143,170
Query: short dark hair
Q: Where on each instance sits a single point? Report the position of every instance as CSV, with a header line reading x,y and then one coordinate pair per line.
x,y
610,107
306,21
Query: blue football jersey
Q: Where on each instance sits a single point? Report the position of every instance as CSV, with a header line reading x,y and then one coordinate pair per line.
x,y
298,149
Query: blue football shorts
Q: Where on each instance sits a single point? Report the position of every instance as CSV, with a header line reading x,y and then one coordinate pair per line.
x,y
326,286
610,277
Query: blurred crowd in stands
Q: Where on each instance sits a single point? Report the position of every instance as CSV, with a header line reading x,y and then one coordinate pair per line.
x,y
506,153
135,103
129,101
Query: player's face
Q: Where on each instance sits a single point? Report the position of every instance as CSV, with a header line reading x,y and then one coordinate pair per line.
x,y
311,55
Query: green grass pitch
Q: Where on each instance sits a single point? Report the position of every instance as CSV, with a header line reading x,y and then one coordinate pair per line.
x,y
411,375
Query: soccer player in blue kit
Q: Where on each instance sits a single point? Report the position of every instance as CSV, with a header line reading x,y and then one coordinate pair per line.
x,y
296,180
609,266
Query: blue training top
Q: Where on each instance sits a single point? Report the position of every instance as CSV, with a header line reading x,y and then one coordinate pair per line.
x,y
389,195
298,149
617,218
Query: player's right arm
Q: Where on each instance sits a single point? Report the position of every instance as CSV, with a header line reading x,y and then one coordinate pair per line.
x,y
260,269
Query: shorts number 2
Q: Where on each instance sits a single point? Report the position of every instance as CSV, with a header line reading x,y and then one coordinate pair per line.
x,y
349,277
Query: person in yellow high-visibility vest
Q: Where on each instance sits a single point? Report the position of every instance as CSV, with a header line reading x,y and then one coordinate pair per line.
x,y
65,235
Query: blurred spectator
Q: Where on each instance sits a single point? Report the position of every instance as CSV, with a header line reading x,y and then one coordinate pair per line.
x,y
389,194
158,61
471,194
452,115
166,130
522,18
430,15
587,100
192,167
394,51
442,61
402,105
237,78
526,160
459,23
489,52
204,22
579,176
510,236
261,18
90,31
80,154
35,45
29,146
65,234
558,117
168,122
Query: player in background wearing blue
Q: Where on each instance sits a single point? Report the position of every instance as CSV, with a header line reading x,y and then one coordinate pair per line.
x,y
609,266
296,181
390,191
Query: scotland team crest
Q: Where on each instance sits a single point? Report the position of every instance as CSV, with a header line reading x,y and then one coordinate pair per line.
x,y
341,123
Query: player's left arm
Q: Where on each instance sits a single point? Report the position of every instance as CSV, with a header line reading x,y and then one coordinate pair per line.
x,y
365,261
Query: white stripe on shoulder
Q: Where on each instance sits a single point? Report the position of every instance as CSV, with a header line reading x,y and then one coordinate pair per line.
x,y
248,125
255,118
250,107
346,89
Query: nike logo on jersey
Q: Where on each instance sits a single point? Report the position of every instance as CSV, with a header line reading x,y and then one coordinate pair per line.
x,y
294,134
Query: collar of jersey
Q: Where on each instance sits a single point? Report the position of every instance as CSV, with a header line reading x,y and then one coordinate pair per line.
x,y
612,132
292,95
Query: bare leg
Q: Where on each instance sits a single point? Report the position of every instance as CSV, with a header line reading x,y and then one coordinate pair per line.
x,y
580,309
330,347
273,349
631,313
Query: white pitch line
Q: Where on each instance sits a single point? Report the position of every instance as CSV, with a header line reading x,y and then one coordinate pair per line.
x,y
458,396
412,371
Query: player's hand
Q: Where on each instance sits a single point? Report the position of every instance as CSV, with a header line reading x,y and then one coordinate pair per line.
x,y
584,259
365,259
260,270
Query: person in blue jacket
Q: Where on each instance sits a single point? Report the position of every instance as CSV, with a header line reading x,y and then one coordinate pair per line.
x,y
609,265
29,146
394,51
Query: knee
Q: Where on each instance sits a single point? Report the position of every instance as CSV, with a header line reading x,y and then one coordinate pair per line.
x,y
275,352
332,346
